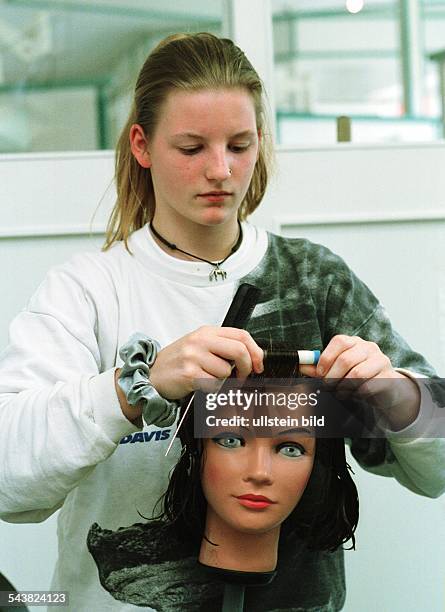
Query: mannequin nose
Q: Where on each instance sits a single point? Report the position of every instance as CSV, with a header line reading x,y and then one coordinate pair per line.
x,y
260,466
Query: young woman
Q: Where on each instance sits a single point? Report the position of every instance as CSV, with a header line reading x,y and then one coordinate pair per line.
x,y
192,164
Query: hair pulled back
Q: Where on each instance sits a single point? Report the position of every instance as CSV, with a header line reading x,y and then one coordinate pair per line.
x,y
185,62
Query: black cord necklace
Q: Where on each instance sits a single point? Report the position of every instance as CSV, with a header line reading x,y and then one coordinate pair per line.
x,y
217,273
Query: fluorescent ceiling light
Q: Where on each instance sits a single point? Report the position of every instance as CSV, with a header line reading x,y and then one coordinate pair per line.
x,y
354,6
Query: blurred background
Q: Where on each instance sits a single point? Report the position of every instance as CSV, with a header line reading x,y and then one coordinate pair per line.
x,y
67,67
67,71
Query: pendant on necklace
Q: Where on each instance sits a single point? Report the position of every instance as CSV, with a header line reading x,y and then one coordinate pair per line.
x,y
217,273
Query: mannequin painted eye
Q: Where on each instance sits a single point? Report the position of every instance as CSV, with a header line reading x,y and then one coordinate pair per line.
x,y
229,441
291,450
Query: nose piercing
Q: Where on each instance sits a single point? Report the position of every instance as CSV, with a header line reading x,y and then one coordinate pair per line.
x,y
230,171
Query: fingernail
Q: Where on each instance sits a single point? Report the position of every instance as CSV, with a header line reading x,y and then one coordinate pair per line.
x,y
320,371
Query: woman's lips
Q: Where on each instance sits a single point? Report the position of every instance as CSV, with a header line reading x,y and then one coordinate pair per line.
x,y
215,196
255,501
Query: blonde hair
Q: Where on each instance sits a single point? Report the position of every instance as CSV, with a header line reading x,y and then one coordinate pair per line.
x,y
188,62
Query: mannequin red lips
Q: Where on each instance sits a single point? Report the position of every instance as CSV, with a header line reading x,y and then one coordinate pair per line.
x,y
255,501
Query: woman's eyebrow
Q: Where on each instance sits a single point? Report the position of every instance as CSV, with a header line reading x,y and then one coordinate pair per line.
x,y
243,134
187,135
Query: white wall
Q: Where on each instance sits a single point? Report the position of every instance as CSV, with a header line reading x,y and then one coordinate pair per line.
x,y
315,132
383,208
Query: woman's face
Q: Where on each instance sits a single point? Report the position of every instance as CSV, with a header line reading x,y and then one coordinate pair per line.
x,y
253,484
202,156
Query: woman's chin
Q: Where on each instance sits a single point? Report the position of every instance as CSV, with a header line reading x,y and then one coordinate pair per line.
x,y
217,215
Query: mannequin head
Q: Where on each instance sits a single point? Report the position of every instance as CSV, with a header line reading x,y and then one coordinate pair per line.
x,y
273,472
317,497
251,485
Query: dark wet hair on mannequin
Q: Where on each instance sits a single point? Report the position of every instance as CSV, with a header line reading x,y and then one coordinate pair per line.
x,y
327,514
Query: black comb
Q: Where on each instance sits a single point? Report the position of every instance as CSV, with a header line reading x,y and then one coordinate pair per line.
x,y
242,306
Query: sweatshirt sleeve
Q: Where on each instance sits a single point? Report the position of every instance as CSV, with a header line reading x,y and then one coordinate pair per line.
x,y
59,413
349,307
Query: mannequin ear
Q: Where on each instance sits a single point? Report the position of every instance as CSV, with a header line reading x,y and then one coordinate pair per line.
x,y
139,145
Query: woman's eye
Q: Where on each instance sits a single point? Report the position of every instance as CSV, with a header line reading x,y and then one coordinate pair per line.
x,y
235,148
239,148
291,450
228,442
190,150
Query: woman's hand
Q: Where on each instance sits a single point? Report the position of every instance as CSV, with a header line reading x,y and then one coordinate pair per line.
x,y
209,352
366,371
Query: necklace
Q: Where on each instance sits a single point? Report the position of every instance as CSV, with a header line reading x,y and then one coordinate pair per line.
x,y
217,272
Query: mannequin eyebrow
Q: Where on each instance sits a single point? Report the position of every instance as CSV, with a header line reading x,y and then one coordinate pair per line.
x,y
227,433
296,430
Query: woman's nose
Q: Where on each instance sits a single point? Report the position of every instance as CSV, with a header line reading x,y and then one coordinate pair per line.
x,y
218,167
260,466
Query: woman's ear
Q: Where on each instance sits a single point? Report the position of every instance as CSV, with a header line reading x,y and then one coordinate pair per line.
x,y
139,145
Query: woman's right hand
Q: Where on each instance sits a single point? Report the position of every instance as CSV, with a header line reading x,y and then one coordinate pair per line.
x,y
209,352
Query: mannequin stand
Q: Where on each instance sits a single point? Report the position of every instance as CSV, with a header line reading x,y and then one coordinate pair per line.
x,y
233,598
235,584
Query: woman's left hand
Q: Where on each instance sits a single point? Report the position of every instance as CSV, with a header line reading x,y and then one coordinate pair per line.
x,y
366,371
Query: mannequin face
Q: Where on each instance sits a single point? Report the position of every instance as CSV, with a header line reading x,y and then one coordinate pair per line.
x,y
272,472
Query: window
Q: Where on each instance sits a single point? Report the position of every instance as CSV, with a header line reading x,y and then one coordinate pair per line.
x,y
330,62
67,67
